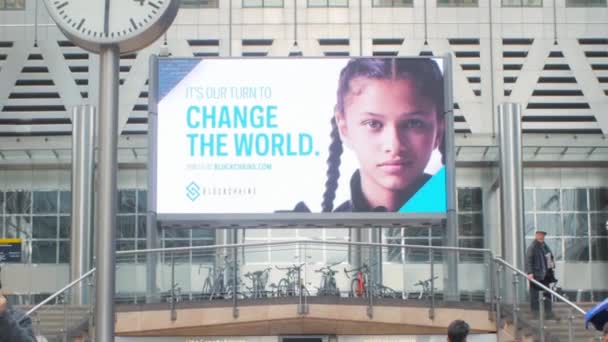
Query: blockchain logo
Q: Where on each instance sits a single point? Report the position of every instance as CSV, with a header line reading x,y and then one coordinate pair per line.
x,y
193,191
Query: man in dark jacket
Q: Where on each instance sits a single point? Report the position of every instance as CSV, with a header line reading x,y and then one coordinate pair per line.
x,y
10,329
540,266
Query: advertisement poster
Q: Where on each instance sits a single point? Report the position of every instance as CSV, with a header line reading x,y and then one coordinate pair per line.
x,y
10,250
318,135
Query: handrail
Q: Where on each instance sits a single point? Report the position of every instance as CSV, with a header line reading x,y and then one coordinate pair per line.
x,y
537,283
289,242
244,245
56,294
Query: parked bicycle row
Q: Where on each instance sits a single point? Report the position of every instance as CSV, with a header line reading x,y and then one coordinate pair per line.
x,y
224,282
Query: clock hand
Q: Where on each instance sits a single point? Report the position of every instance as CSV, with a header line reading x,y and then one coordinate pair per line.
x,y
106,18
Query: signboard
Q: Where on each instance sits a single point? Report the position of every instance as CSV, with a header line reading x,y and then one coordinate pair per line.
x,y
306,137
10,250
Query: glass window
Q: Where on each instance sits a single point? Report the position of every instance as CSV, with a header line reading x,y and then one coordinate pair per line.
x,y
262,3
598,199
529,224
126,201
45,202
528,200
200,4
64,252
470,224
1,200
45,227
471,256
44,252
18,202
550,223
65,202
456,3
547,199
599,224
125,245
469,199
599,249
416,232
142,201
585,3
18,226
327,3
574,199
416,255
577,249
125,227
393,254
576,225
141,226
65,224
12,4
393,3
522,3
555,244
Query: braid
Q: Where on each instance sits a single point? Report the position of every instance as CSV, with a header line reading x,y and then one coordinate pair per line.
x,y
333,168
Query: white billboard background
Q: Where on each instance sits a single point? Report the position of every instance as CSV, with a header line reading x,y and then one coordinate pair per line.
x,y
304,92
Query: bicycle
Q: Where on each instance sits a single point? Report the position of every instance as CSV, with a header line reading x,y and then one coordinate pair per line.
x,y
425,288
292,284
259,279
328,285
358,284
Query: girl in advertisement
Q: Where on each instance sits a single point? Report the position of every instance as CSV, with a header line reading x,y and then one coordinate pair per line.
x,y
390,113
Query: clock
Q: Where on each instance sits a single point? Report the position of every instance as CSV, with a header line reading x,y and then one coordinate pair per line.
x,y
129,24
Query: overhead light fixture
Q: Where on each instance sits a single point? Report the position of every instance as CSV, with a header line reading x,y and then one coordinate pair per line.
x,y
295,50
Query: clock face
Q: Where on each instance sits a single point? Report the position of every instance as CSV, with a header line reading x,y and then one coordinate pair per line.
x,y
132,24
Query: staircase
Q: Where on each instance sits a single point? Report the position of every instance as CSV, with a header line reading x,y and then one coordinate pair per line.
x,y
50,321
557,330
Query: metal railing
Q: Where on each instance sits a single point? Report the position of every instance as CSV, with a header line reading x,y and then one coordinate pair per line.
x,y
58,309
382,272
545,293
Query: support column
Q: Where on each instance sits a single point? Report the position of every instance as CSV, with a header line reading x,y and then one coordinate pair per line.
x,y
511,184
451,235
107,194
83,145
152,231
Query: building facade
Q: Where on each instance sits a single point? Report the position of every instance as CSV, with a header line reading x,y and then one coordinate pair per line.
x,y
551,57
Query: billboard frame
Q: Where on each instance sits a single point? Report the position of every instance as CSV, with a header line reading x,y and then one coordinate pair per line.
x,y
295,219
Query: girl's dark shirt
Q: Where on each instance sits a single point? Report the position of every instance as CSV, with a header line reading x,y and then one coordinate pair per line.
x,y
358,202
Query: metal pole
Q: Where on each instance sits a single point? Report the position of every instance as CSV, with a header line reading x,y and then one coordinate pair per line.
x,y
451,286
541,319
511,184
152,240
570,326
369,288
106,230
83,144
65,317
492,288
498,298
173,299
515,307
432,309
235,288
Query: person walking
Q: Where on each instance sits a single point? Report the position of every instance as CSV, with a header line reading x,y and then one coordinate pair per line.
x,y
540,266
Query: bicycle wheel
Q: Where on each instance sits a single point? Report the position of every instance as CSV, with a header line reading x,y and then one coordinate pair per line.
x,y
354,285
206,292
282,288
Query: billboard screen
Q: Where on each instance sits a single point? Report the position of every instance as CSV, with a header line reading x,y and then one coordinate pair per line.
x,y
303,135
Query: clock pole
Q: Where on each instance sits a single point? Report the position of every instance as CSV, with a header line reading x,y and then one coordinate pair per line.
x,y
107,192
